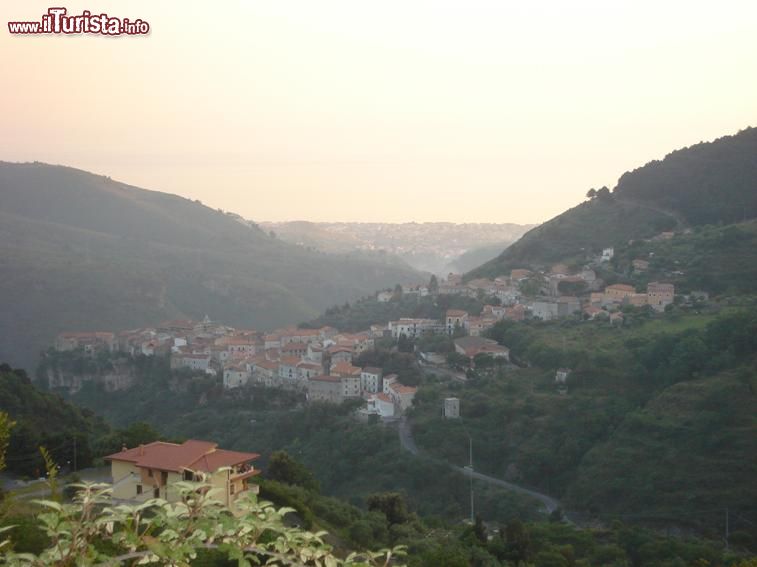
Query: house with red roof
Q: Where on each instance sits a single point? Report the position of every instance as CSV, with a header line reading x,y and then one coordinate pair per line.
x,y
152,470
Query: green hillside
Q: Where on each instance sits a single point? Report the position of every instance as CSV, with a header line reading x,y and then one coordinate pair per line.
x,y
658,422
44,419
716,259
82,252
708,183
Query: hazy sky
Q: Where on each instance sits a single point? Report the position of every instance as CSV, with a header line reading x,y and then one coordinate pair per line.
x,y
379,111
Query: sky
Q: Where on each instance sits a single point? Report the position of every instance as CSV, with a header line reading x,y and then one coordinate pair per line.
x,y
389,111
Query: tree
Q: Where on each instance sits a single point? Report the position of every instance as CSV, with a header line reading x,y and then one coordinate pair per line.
x,y
397,293
404,344
591,193
457,360
604,192
391,504
6,424
433,284
283,468
518,542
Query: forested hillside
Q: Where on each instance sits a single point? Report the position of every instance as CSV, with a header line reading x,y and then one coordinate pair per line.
x,y
82,252
657,423
708,183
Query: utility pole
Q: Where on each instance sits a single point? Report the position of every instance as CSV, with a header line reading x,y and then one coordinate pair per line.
x,y
75,467
470,465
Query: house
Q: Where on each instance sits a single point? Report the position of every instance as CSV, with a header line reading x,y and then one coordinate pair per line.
x,y
387,381
567,305
413,328
519,275
384,296
636,299
561,376
592,312
340,353
380,404
455,319
271,341
288,368
660,295
516,312
151,471
472,346
616,318
640,265
370,379
325,389
306,369
544,310
607,254
300,350
191,361
235,376
315,352
452,408
266,371
616,293
237,347
402,395
89,342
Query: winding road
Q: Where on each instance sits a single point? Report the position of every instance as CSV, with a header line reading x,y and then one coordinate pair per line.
x,y
408,444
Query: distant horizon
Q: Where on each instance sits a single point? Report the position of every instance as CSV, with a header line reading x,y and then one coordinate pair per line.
x,y
385,112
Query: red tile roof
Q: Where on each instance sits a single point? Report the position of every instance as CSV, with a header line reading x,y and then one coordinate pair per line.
x,y
195,455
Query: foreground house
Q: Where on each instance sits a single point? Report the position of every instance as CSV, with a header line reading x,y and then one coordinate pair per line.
x,y
150,471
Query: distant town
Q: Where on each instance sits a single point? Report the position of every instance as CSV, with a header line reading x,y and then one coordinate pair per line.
x,y
319,361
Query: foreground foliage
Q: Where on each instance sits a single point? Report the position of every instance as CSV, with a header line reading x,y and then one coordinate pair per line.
x,y
93,531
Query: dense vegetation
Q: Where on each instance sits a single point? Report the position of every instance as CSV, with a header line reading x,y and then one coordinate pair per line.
x,y
81,252
657,424
709,183
721,260
75,437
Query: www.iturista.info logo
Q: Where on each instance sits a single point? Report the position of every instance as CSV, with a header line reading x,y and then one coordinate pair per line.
x,y
56,21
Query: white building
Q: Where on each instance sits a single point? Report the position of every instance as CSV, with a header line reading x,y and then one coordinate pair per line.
x,y
561,376
235,376
370,379
452,408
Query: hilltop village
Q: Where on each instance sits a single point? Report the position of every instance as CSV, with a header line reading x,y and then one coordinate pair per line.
x,y
320,361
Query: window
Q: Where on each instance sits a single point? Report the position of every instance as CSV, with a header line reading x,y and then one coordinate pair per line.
x,y
139,489
188,475
149,473
231,488
156,492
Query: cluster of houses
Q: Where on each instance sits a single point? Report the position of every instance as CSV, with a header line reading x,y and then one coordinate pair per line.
x,y
558,292
318,362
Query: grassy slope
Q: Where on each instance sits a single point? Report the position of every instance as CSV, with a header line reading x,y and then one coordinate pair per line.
x,y
81,252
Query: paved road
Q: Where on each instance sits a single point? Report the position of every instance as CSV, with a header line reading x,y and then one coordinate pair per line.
x,y
408,443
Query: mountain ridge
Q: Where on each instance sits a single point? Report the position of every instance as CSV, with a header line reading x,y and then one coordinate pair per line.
x,y
83,252
706,183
